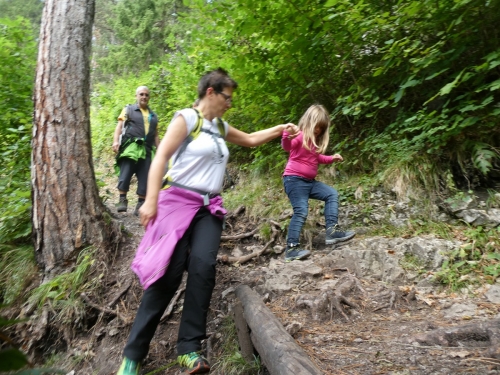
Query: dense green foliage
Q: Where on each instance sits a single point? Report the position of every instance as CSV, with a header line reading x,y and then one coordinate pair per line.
x,y
17,62
132,35
402,79
29,9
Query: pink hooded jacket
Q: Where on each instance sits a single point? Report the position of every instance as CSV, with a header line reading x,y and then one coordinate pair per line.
x,y
176,209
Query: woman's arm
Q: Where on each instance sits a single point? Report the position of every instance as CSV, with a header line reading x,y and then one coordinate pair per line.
x,y
175,135
260,137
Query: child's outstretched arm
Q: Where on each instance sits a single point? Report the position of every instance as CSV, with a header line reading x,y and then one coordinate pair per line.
x,y
325,159
337,158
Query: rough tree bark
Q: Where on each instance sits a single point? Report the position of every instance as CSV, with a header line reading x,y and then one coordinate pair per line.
x,y
278,350
67,212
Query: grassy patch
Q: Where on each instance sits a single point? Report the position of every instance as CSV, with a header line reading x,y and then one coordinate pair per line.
x,y
413,177
229,359
411,262
263,196
415,228
477,261
63,291
162,368
18,268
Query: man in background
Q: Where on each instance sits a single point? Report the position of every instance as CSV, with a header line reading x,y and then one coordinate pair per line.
x,y
135,141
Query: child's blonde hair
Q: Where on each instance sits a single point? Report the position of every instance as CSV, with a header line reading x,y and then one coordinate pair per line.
x,y
314,116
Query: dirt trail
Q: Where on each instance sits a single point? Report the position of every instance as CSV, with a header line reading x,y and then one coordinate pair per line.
x,y
373,336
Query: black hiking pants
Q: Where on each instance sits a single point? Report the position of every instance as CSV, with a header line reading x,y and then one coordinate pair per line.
x,y
128,168
196,252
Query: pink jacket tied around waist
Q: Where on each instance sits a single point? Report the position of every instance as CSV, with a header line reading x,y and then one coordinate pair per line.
x,y
176,209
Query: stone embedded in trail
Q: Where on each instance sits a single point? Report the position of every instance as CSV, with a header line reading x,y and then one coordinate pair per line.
x,y
395,260
493,294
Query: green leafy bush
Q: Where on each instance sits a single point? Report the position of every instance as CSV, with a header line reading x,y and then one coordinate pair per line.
x,y
17,69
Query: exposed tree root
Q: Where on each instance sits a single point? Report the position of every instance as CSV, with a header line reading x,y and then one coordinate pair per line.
x,y
245,258
485,333
118,295
239,236
105,310
236,212
332,300
388,299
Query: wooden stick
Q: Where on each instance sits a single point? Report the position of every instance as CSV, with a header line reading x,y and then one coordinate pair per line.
x,y
120,293
245,258
172,303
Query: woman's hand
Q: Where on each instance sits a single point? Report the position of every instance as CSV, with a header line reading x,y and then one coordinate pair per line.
x,y
147,212
292,130
337,158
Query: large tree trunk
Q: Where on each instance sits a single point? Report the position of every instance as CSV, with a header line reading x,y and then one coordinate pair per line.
x,y
67,212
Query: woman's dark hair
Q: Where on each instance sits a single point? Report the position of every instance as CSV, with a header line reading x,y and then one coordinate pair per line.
x,y
218,79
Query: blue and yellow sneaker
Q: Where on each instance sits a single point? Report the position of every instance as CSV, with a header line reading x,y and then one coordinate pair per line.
x,y
129,367
194,363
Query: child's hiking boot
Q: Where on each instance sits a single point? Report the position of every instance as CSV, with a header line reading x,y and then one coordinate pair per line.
x,y
294,252
129,367
336,234
122,205
194,363
139,205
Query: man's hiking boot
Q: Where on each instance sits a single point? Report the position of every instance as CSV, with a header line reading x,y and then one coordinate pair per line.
x,y
194,363
129,367
122,205
293,252
139,205
336,234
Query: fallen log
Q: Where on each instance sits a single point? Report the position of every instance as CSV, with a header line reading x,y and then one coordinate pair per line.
x,y
279,352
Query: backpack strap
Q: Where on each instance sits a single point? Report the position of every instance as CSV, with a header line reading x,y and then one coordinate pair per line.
x,y
222,128
194,133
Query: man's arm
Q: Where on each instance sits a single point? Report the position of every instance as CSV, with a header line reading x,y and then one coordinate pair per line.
x,y
116,136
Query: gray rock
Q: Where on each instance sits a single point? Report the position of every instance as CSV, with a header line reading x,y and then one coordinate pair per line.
x,y
489,218
387,259
460,310
493,294
460,204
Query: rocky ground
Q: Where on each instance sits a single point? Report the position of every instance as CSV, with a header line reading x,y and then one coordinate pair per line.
x,y
368,306
388,322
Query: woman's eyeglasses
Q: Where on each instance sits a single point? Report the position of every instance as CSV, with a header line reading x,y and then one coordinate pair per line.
x,y
228,98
